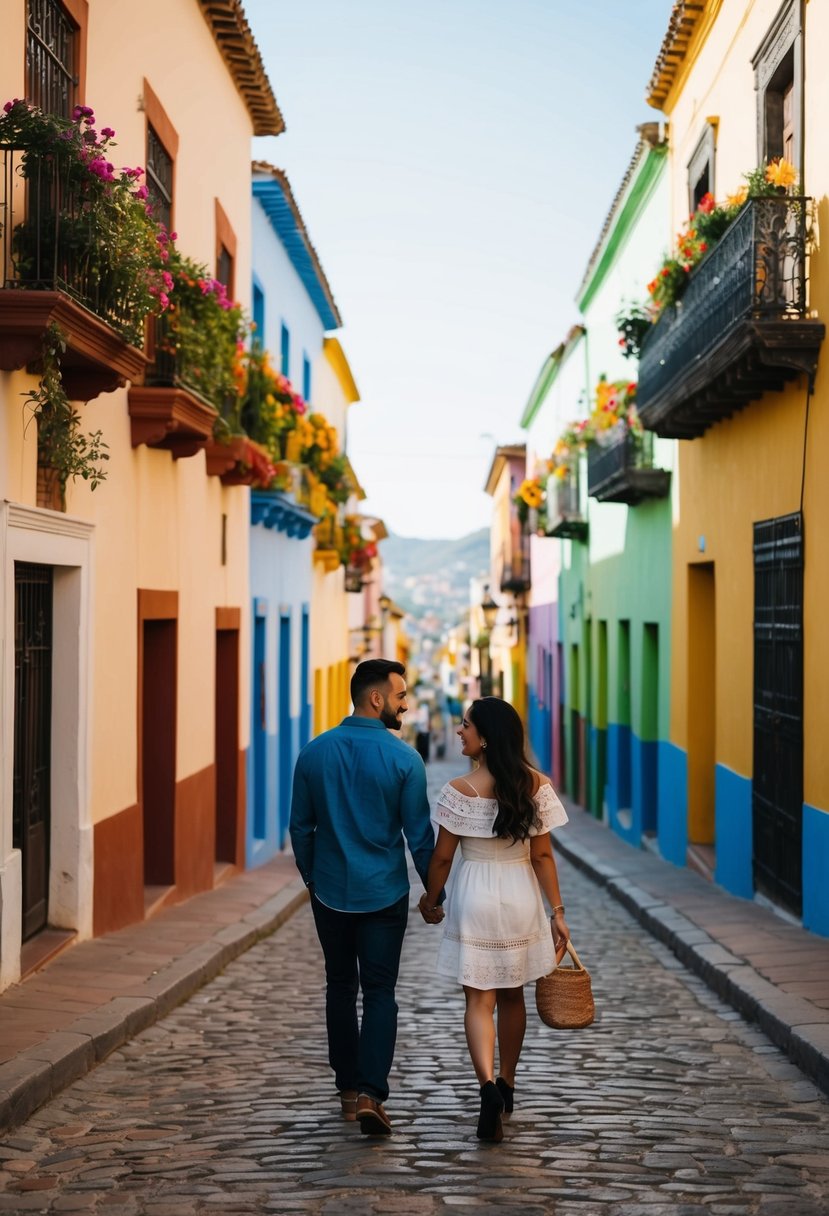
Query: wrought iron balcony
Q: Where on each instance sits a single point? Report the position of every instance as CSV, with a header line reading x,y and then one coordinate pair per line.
x,y
564,515
355,578
741,328
53,268
515,566
52,242
623,471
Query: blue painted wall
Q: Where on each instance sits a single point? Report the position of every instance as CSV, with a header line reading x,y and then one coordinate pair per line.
x,y
673,802
733,831
280,575
815,869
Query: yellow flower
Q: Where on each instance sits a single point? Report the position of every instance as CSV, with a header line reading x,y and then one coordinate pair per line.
x,y
737,198
531,492
780,172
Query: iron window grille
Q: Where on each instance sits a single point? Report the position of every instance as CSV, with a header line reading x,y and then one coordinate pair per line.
x,y
50,57
159,179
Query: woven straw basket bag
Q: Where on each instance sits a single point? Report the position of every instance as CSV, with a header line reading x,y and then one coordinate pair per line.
x,y
564,998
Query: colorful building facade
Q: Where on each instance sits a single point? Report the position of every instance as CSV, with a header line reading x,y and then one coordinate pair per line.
x,y
124,746
746,757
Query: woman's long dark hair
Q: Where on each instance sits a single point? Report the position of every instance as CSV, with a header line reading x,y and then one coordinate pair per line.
x,y
499,724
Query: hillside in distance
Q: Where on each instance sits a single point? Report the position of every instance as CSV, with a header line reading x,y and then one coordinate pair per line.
x,y
430,578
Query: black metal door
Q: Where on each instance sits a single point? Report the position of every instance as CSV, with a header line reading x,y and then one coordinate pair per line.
x,y
777,789
32,735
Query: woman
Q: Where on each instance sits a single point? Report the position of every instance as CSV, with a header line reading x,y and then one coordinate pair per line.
x,y
497,937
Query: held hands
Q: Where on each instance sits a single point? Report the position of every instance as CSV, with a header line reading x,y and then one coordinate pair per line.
x,y
560,932
432,915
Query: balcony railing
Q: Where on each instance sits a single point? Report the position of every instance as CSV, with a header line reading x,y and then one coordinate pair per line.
x,y
515,566
741,327
51,242
623,471
564,515
52,270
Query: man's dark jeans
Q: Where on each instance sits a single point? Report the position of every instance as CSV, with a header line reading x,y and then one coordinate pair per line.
x,y
362,950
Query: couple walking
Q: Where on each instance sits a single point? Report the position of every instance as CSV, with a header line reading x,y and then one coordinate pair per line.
x,y
358,790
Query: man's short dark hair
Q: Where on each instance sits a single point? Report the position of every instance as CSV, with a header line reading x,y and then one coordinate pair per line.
x,y
373,673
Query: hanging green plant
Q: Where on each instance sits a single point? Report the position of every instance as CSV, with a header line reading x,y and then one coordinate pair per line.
x,y
61,444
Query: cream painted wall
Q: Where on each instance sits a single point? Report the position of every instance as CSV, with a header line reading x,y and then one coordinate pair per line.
x,y
128,42
157,521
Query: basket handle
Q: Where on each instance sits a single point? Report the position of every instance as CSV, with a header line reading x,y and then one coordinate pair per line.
x,y
571,950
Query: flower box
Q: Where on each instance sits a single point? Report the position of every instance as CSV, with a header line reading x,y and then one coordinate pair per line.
x,y
620,468
170,418
564,515
96,361
238,461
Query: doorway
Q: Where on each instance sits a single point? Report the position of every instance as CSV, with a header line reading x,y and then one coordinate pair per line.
x,y
285,725
650,728
31,802
227,745
702,717
777,785
157,754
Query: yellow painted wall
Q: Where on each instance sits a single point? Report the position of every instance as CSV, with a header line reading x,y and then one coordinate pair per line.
x,y
748,468
333,392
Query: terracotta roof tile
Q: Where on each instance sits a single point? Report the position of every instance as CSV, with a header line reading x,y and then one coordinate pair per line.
x,y
683,20
235,41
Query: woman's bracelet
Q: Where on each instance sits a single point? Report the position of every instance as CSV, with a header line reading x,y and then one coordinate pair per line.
x,y
558,908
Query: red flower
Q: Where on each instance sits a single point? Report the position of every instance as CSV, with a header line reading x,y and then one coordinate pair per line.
x,y
706,204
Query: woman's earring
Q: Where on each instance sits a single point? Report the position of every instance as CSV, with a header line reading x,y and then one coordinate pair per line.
x,y
483,744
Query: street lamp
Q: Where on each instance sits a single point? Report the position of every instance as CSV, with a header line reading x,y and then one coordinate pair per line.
x,y
489,609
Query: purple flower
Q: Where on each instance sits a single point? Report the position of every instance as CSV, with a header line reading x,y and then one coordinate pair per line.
x,y
167,279
141,192
107,133
164,300
90,136
173,236
85,112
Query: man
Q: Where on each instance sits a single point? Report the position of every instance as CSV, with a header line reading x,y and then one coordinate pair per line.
x,y
358,788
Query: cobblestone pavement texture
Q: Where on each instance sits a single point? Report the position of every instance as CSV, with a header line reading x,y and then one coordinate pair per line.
x,y
669,1105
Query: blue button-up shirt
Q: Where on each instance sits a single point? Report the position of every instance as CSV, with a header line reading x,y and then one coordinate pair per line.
x,y
358,789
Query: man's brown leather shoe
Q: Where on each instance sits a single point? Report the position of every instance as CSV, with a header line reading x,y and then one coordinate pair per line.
x,y
348,1104
372,1118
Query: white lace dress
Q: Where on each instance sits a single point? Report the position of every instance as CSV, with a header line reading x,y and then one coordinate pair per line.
x,y
497,934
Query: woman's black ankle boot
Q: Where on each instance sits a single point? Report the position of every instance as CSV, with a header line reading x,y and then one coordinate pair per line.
x,y
489,1120
507,1092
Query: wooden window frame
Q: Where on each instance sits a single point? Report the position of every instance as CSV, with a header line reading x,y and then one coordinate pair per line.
x,y
165,133
703,157
78,13
225,240
778,59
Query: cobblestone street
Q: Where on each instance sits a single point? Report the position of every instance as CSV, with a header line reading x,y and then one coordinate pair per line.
x,y
670,1105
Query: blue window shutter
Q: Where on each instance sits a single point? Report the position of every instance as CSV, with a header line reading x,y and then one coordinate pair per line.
x,y
285,350
259,314
306,377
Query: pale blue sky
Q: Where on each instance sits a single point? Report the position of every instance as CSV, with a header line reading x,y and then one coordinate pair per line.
x,y
454,161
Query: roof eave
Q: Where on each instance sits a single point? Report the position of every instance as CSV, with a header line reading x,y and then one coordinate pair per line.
x,y
237,46
271,179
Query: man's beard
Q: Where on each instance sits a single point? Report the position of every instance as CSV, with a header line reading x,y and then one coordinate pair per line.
x,y
390,720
